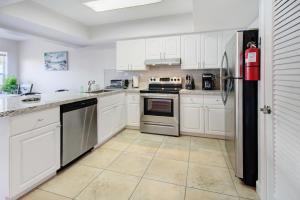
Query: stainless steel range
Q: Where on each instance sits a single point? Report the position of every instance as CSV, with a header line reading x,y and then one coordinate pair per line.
x,y
160,106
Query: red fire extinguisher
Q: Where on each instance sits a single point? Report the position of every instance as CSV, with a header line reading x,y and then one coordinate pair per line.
x,y
252,62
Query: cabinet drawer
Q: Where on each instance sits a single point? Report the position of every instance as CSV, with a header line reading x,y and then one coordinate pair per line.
x,y
213,100
107,101
30,121
133,98
191,99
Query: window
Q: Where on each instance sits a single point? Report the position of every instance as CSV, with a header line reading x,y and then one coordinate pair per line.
x,y
3,63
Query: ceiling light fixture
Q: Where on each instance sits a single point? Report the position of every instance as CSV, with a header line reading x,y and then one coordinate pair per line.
x,y
105,5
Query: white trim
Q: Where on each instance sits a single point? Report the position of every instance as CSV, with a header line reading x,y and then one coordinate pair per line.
x,y
265,182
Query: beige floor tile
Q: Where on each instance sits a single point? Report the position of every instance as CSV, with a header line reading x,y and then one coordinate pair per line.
x,y
153,190
229,165
182,140
117,143
208,157
211,178
195,194
205,143
173,151
170,171
131,163
151,137
145,147
71,181
242,189
110,186
100,158
43,195
129,134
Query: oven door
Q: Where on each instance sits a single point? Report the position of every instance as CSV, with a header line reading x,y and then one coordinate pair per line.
x,y
160,108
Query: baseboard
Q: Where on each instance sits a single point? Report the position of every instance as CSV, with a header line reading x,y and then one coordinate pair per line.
x,y
132,127
202,135
258,189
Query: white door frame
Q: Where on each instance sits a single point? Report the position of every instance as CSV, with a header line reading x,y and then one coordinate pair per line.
x,y
265,138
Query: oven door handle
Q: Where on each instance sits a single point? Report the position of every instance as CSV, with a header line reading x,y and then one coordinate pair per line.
x,y
159,96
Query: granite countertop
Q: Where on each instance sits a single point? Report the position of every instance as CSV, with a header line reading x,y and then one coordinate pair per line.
x,y
199,92
13,105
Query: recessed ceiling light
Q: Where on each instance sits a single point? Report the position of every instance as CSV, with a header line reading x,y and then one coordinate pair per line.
x,y
104,5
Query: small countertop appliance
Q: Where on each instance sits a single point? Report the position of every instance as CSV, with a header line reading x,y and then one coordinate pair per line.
x,y
208,81
189,82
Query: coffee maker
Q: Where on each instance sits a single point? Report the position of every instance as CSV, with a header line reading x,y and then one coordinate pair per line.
x,y
208,81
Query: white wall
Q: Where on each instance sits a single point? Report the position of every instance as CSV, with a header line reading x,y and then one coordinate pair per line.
x,y
219,14
84,64
12,49
143,28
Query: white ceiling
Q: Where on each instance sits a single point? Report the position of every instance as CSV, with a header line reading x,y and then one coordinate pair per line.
x,y
76,11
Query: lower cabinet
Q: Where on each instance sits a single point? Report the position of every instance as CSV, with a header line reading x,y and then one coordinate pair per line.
x,y
111,116
133,110
200,118
192,118
35,155
215,121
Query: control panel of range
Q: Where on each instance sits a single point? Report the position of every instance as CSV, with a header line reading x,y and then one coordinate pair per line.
x,y
166,80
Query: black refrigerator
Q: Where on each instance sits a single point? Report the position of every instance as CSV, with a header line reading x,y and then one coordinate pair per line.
x,y
240,98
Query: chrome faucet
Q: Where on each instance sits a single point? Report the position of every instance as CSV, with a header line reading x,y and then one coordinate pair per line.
x,y
90,83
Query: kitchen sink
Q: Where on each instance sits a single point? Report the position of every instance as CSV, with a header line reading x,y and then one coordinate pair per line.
x,y
99,91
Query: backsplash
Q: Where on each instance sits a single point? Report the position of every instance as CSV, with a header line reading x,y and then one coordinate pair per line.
x,y
161,71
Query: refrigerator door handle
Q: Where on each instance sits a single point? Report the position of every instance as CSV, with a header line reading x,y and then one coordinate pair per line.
x,y
224,91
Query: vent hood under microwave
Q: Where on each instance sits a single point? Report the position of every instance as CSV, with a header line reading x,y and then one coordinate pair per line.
x,y
160,62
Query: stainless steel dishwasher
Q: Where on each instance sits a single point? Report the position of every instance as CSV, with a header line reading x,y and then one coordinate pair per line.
x,y
79,129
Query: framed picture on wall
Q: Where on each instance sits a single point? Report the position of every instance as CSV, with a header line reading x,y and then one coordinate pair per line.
x,y
56,61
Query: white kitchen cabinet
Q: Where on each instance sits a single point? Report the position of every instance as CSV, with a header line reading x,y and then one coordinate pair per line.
x,y
111,116
163,48
215,120
192,118
131,55
202,115
190,51
211,52
106,124
133,110
171,47
35,155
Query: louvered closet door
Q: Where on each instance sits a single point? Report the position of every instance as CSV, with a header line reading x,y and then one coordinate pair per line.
x,y
286,99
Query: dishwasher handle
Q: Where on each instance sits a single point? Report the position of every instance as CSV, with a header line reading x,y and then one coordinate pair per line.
x,y
78,105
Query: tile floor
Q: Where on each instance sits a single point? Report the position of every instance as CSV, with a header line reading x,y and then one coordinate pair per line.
x,y
140,166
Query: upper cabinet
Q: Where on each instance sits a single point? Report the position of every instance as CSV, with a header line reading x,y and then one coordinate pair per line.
x,y
197,51
131,55
204,51
211,50
190,51
163,48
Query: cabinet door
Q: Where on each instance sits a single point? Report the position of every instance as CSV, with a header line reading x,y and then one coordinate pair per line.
x,y
133,114
35,155
137,54
171,47
154,48
192,119
120,117
215,120
106,124
211,50
123,55
190,51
